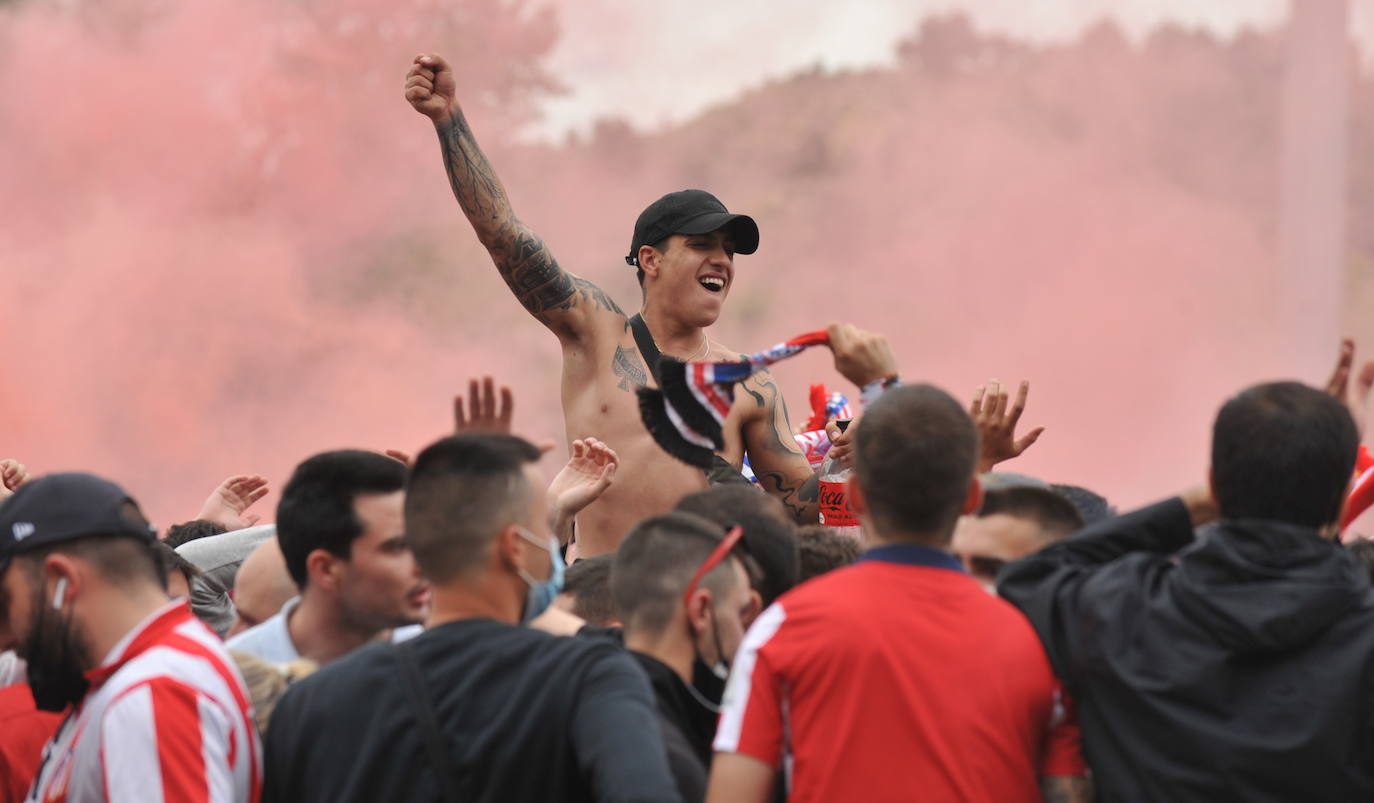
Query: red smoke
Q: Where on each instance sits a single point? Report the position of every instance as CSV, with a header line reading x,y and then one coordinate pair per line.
x,y
228,242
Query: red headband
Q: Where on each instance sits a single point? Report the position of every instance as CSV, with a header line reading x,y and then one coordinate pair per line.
x,y
722,549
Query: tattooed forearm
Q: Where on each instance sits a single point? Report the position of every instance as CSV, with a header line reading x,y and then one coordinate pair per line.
x,y
802,501
769,398
778,461
523,259
475,185
1066,789
776,484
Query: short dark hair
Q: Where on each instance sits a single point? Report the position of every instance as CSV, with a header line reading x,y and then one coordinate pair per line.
x,y
179,534
824,550
462,491
770,540
654,564
172,561
589,582
1056,516
123,561
1283,451
1092,506
915,452
316,509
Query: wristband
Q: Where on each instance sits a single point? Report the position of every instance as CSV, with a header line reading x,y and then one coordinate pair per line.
x,y
870,392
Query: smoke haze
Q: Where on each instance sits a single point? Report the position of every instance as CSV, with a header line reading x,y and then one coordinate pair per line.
x,y
228,242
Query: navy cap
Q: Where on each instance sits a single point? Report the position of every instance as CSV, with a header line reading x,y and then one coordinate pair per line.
x,y
63,507
691,212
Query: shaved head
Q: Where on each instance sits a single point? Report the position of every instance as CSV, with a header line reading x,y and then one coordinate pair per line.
x,y
262,587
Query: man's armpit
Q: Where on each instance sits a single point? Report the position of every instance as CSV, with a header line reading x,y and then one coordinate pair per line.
x,y
589,293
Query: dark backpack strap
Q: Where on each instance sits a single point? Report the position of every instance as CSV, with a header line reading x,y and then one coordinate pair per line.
x,y
647,348
418,692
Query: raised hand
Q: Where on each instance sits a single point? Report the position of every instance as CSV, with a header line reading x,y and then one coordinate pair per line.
x,y
589,472
227,503
861,357
484,412
431,88
12,475
1339,383
997,424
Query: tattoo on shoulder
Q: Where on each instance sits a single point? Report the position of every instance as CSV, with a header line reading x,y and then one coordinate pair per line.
x,y
626,366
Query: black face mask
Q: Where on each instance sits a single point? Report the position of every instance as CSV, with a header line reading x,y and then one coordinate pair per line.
x,y
56,671
707,681
707,684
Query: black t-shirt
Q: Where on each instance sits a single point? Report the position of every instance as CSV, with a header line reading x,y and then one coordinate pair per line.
x,y
688,727
525,716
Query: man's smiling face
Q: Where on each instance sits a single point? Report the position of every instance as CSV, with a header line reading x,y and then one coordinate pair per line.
x,y
695,273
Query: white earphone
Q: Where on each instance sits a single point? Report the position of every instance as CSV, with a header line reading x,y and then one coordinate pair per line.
x,y
59,593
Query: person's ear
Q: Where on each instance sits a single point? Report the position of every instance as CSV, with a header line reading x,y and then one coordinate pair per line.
x,y
649,260
324,569
62,580
510,548
696,609
973,502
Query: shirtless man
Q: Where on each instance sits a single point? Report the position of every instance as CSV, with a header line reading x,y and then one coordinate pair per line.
x,y
686,275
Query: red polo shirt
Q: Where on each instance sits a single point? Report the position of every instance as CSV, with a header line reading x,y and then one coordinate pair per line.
x,y
897,679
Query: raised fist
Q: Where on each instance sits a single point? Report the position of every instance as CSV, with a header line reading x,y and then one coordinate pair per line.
x,y
430,88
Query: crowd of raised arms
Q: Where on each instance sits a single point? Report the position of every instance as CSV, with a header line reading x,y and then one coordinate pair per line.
x,y
865,606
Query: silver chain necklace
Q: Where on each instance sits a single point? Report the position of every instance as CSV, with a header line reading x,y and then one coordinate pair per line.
x,y
705,347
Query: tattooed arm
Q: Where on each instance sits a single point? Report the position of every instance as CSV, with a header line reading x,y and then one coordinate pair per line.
x,y
777,460
564,303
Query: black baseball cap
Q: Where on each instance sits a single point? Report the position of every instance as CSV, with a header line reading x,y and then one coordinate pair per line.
x,y
64,507
691,212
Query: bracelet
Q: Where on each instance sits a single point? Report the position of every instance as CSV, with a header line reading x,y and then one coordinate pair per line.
x,y
870,392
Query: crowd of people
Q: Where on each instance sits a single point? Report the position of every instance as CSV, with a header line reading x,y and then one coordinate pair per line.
x,y
450,627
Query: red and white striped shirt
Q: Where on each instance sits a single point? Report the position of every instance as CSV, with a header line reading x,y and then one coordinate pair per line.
x,y
167,720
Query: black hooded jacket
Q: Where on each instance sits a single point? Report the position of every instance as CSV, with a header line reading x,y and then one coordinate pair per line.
x,y
1237,666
